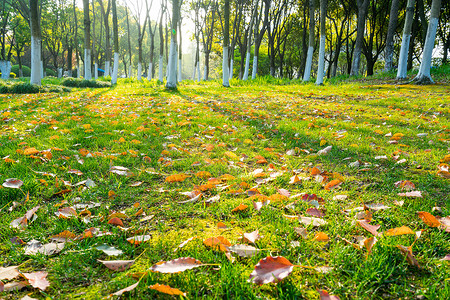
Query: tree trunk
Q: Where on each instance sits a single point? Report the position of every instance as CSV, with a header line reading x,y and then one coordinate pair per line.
x,y
172,65
360,28
403,58
308,66
393,19
424,77
161,47
129,44
35,27
180,52
226,37
116,43
321,68
87,41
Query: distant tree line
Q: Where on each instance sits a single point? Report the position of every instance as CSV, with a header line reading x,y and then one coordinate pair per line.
x,y
302,39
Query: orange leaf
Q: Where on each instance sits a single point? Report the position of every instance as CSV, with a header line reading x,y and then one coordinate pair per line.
x,y
116,221
407,251
399,231
321,237
221,225
429,219
177,177
333,184
166,289
30,151
239,208
271,269
370,228
314,171
203,174
217,243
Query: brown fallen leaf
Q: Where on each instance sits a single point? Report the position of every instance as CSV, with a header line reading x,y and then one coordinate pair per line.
x,y
13,183
167,289
117,265
66,213
29,216
244,250
252,237
271,269
63,236
37,280
429,219
416,194
399,231
217,243
324,295
177,177
138,239
177,265
9,273
116,221
407,252
321,237
184,243
315,212
15,286
127,289
333,184
221,225
301,231
239,208
369,243
370,228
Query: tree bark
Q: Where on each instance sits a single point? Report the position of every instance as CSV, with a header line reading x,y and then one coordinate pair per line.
x,y
360,28
116,43
87,41
307,73
321,67
389,52
226,37
424,76
172,65
35,26
403,58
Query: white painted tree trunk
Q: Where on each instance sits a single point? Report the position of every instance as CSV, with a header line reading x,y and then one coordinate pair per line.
x,y
161,75
425,65
255,65
199,74
195,69
107,68
115,72
172,66
42,69
204,73
8,68
139,72
35,61
247,66
179,70
309,57
5,68
87,64
60,72
321,68
149,74
231,68
225,71
403,58
96,71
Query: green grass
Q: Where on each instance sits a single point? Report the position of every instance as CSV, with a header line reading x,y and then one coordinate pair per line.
x,y
141,126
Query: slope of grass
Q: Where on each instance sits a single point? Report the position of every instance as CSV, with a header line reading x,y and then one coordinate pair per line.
x,y
278,129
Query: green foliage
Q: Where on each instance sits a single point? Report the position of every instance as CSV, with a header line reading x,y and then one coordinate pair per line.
x,y
83,83
26,70
18,88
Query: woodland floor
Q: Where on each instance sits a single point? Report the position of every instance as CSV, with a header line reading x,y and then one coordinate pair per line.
x,y
101,166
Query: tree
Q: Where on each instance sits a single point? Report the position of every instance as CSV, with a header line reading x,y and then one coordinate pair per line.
x,y
152,31
87,41
35,26
141,32
172,65
308,66
424,77
249,40
161,41
360,28
116,43
389,52
226,37
403,57
105,16
5,55
259,34
321,68
207,31
21,35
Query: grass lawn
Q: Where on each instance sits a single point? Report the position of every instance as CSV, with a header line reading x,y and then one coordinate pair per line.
x,y
315,170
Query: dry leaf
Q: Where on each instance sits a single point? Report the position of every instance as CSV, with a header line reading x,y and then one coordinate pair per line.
x,y
116,221
244,250
37,280
369,243
176,265
370,228
221,225
315,212
136,240
184,243
127,289
166,290
252,237
13,183
407,251
324,295
311,220
63,236
429,219
177,177
413,194
399,231
117,265
321,237
301,231
217,243
333,184
9,273
239,208
271,269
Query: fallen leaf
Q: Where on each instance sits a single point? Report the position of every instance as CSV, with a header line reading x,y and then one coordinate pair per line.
x,y
301,231
429,219
369,243
252,237
244,250
239,208
221,225
176,265
399,231
116,221
117,265
66,213
217,243
333,184
416,194
177,177
407,251
37,280
370,228
311,220
108,250
63,236
324,295
34,247
13,183
271,269
315,212
321,237
184,243
9,273
167,290
127,289
136,240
